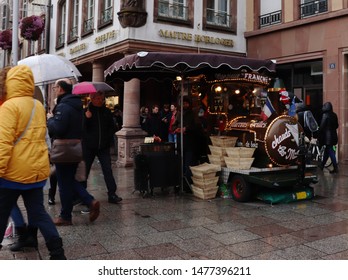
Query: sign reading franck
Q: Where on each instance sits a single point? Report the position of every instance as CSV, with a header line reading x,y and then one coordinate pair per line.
x,y
196,38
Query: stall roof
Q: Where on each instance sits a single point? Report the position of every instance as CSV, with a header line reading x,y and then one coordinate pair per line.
x,y
159,65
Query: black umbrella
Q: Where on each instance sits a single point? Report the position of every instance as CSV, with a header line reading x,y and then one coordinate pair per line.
x,y
162,65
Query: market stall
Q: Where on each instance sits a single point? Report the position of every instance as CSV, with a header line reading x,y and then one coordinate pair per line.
x,y
235,96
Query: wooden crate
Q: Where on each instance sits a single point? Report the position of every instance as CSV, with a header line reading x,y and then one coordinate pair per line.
x,y
204,193
218,160
242,152
203,175
206,183
223,141
218,151
239,163
205,170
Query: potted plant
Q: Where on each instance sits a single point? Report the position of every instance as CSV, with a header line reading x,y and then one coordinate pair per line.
x,y
32,27
6,39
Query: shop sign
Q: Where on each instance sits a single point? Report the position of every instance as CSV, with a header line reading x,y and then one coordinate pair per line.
x,y
104,37
78,48
244,76
167,34
282,140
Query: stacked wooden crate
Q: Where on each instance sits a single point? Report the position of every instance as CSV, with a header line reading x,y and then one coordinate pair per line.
x,y
239,157
205,180
218,149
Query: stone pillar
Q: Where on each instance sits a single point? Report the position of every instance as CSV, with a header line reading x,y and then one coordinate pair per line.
x,y
131,135
98,72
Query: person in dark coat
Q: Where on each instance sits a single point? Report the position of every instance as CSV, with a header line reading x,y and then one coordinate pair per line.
x,y
190,130
165,116
67,123
154,122
328,132
98,137
300,112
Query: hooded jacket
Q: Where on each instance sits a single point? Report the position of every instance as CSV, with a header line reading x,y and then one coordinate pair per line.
x,y
25,164
328,126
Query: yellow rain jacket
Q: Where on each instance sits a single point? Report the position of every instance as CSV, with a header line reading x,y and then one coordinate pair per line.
x,y
24,164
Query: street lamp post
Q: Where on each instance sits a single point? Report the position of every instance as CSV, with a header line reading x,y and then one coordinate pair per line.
x,y
15,16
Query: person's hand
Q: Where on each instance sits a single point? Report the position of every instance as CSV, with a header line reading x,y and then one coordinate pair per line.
x,y
88,114
49,115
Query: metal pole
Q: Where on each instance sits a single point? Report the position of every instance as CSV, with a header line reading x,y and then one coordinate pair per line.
x,y
15,18
48,25
182,133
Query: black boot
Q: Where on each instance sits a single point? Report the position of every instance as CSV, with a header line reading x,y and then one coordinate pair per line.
x,y
27,237
55,247
335,170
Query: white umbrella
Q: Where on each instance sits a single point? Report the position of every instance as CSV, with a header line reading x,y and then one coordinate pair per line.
x,y
48,68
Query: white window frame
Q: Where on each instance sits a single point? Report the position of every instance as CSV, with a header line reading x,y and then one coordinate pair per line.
x,y
221,11
62,22
173,9
75,21
90,9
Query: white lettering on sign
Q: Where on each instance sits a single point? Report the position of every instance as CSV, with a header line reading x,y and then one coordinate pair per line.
x,y
256,77
261,124
251,144
239,124
279,139
292,154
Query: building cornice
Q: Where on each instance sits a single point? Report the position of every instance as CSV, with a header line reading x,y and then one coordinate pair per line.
x,y
133,46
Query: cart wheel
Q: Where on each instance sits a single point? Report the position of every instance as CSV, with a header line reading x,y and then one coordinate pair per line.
x,y
241,189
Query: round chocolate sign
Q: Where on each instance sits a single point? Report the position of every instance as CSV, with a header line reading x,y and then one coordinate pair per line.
x,y
282,140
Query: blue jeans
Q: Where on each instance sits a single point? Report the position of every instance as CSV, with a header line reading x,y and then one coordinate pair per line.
x,y
329,152
104,158
172,137
68,186
34,204
17,216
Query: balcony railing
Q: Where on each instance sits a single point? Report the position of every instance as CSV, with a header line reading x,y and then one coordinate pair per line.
x,y
73,33
218,18
106,16
270,19
60,39
88,25
175,10
313,8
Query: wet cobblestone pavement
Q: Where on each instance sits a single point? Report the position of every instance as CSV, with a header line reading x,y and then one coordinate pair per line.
x,y
181,227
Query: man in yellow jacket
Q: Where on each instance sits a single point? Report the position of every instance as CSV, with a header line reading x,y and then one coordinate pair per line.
x,y
24,163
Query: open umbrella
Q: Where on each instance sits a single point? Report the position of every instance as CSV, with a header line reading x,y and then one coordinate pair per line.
x,y
47,68
160,65
91,87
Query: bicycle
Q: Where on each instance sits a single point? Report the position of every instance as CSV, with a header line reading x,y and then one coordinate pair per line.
x,y
315,153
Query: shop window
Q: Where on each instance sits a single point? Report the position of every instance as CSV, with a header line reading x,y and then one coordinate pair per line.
x,y
176,11
312,8
106,13
220,15
73,20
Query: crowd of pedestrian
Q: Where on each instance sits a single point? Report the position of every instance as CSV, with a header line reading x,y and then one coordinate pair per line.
x,y
26,135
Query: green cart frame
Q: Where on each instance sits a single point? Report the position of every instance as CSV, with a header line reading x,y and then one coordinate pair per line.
x,y
244,183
